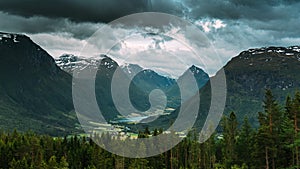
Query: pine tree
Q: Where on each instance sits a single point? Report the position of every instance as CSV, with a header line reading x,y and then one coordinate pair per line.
x,y
53,163
268,136
63,164
295,113
287,138
244,143
230,131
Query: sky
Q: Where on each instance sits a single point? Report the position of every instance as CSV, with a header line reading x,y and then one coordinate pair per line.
x,y
231,26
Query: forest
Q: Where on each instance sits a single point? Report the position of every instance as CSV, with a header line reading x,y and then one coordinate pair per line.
x,y
274,144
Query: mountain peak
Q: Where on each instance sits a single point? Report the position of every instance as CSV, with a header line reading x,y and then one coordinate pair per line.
x,y
197,71
194,69
37,93
24,55
200,76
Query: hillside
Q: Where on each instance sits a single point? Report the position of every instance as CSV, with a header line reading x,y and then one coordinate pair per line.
x,y
247,77
254,70
35,94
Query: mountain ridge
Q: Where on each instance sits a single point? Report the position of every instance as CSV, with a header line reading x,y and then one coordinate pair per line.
x,y
248,75
35,91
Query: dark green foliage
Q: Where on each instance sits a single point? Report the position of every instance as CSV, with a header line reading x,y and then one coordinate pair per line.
x,y
275,144
245,143
230,132
27,150
249,73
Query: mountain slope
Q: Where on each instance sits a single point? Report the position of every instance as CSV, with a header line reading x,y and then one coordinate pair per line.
x,y
144,80
34,93
201,78
105,73
253,70
247,77
131,69
147,78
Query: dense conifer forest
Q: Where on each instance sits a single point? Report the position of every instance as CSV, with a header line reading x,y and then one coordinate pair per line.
x,y
274,144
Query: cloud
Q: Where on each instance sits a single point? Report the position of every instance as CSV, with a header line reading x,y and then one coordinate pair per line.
x,y
108,10
278,16
264,10
38,24
58,44
76,10
208,25
169,57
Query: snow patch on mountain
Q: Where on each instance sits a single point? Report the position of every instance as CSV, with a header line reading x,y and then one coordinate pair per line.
x,y
9,37
69,62
131,69
292,51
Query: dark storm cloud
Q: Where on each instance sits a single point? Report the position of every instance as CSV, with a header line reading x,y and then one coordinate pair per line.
x,y
253,23
37,24
77,10
243,9
249,23
108,10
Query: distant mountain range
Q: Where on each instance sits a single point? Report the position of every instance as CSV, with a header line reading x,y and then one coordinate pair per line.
x,y
36,94
144,79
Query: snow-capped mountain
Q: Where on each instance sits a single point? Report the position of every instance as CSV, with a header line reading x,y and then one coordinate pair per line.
x,y
144,79
69,62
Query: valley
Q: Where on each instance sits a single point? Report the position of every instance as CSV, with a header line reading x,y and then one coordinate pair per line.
x,y
247,74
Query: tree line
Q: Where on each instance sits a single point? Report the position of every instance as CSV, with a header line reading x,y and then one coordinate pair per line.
x,y
274,144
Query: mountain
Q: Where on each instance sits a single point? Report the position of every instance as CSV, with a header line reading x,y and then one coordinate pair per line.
x,y
201,78
106,70
254,70
131,69
68,62
34,92
144,79
247,77
147,78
